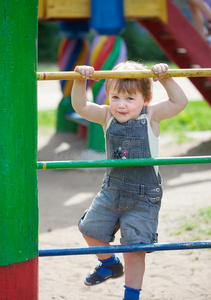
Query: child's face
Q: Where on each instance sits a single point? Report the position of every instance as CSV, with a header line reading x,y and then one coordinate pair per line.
x,y
124,106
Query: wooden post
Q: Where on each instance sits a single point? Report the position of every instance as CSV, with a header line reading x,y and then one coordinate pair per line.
x,y
18,151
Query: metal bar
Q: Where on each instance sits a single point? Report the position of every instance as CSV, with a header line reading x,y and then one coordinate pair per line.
x,y
124,74
125,248
124,162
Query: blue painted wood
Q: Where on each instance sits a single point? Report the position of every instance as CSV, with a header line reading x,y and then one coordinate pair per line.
x,y
73,116
125,248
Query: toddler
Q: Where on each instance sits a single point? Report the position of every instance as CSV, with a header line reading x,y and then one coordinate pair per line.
x,y
130,197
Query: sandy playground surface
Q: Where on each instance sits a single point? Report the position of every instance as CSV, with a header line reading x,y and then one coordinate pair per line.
x,y
65,194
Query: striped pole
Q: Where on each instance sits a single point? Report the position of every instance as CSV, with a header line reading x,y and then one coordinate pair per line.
x,y
124,74
18,151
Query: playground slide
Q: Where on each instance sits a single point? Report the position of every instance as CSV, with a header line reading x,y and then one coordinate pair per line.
x,y
182,44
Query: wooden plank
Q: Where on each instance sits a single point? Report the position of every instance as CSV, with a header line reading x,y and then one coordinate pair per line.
x,y
74,9
80,9
146,9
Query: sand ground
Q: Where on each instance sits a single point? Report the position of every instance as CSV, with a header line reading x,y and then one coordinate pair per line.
x,y
65,194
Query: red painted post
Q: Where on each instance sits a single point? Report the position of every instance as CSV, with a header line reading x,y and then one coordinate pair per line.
x,y
18,151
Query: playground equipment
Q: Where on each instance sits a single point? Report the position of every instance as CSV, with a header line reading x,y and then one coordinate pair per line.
x,y
124,163
106,50
161,18
182,44
121,163
125,248
18,149
124,74
55,10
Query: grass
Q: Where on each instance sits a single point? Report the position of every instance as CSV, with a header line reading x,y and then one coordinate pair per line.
x,y
47,120
180,138
197,226
195,117
47,67
149,64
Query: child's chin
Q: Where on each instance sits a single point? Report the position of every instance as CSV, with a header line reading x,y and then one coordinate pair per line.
x,y
123,120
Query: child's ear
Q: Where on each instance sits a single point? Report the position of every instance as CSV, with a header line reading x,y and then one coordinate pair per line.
x,y
146,102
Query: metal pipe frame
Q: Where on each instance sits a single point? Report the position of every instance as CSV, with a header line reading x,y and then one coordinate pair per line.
x,y
125,248
136,162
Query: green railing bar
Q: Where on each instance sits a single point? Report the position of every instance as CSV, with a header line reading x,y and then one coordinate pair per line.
x,y
124,162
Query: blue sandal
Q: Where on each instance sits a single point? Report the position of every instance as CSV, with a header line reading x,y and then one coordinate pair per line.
x,y
94,278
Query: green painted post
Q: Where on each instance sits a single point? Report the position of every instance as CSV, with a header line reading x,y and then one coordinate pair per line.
x,y
65,106
96,139
18,150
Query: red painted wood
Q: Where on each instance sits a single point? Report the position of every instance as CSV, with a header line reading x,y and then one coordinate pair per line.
x,y
19,281
82,132
179,33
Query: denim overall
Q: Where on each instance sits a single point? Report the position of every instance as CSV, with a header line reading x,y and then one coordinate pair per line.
x,y
130,198
130,140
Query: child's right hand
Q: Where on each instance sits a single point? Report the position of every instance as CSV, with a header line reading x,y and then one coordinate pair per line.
x,y
159,69
85,71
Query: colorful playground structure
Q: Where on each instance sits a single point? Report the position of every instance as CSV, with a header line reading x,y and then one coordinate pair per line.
x,y
172,31
18,144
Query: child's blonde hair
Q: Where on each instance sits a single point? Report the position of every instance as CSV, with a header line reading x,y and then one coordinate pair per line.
x,y
131,86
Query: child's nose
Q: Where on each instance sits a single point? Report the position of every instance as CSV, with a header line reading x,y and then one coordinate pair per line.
x,y
121,103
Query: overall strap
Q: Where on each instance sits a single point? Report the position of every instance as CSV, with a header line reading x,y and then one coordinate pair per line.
x,y
144,110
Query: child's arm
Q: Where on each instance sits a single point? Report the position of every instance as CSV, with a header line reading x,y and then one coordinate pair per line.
x,y
88,110
177,99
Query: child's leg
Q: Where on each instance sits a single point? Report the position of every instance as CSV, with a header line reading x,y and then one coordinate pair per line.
x,y
93,242
134,272
134,269
110,266
197,18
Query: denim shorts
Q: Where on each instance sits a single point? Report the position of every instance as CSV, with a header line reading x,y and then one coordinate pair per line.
x,y
133,209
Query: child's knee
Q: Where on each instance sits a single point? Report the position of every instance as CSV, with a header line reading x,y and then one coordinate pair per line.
x,y
85,236
93,242
135,256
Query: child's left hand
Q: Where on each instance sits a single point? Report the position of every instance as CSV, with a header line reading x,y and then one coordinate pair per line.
x,y
159,69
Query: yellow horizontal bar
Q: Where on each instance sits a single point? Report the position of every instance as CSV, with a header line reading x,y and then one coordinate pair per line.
x,y
80,9
124,74
137,9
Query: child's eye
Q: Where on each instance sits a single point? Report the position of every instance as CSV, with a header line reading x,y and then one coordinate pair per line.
x,y
130,98
115,97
